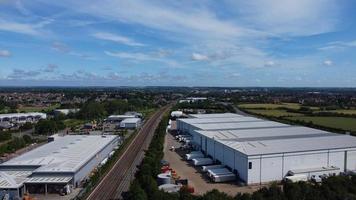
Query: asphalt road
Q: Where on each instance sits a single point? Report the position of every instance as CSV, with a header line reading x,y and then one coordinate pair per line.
x,y
117,180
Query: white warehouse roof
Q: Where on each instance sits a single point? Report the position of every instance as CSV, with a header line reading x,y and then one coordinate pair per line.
x,y
279,146
64,154
215,115
242,125
30,114
267,133
219,120
280,140
131,120
120,117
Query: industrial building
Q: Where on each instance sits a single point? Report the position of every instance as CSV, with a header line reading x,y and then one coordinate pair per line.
x,y
119,118
65,111
130,123
64,162
260,151
22,117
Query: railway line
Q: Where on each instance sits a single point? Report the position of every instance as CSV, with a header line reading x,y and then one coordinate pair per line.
x,y
117,180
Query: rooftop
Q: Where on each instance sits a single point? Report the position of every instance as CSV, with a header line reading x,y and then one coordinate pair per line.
x,y
280,140
215,115
277,146
22,114
64,154
218,120
131,120
242,125
121,116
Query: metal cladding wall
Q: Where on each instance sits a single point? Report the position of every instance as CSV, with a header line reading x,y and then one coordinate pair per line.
x,y
226,155
130,125
351,160
84,171
274,167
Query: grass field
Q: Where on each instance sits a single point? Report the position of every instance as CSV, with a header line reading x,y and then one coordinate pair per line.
x,y
274,113
37,109
269,106
343,123
73,122
342,111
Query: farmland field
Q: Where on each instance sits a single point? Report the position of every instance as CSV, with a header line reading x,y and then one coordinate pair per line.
x,y
270,106
274,113
342,111
37,109
343,123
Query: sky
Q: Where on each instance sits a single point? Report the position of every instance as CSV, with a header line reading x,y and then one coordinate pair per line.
x,y
236,43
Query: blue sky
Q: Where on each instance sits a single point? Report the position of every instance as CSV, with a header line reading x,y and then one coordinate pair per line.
x,y
180,43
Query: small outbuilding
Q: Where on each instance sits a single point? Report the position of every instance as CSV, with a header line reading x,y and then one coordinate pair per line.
x,y
130,123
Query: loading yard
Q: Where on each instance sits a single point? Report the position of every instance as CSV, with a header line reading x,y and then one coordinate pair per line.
x,y
196,178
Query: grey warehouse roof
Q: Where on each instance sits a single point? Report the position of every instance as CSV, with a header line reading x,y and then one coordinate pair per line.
x,y
280,140
64,154
215,115
267,133
218,120
242,125
18,115
278,146
131,120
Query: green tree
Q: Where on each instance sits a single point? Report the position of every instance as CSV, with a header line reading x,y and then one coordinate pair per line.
x,y
92,110
136,192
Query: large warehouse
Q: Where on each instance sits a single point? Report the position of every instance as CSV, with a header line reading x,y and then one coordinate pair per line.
x,y
261,151
22,117
66,161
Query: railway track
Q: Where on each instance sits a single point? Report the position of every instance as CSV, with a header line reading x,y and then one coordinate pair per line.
x,y
117,180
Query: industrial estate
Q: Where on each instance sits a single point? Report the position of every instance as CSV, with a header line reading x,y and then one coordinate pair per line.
x,y
259,151
169,147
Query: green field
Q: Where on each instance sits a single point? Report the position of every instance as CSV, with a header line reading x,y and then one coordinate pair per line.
x,y
343,123
279,110
342,111
37,109
269,106
73,122
274,113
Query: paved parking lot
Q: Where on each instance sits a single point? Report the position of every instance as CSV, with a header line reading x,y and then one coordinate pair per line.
x,y
199,181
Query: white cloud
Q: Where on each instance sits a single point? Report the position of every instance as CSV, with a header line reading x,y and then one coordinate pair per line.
x,y
133,56
5,53
64,48
270,64
328,63
338,45
116,38
199,57
28,29
33,29
23,74
290,17
60,47
50,68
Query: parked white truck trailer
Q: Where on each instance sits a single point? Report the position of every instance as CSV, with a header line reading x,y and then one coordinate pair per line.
x,y
202,161
224,178
207,167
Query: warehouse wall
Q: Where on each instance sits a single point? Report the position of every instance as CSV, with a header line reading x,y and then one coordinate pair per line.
x,y
241,165
351,160
94,162
266,168
337,158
